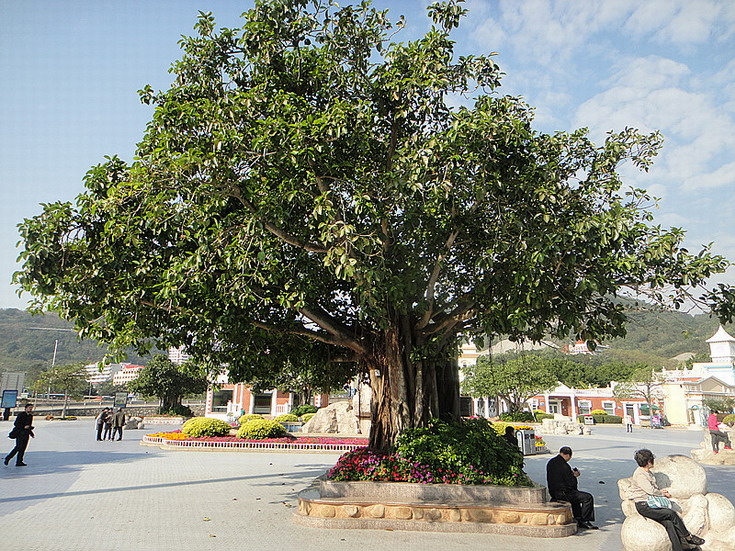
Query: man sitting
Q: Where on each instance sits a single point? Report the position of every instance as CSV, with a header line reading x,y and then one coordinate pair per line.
x,y
561,481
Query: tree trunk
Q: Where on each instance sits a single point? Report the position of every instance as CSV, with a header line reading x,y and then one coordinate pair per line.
x,y
66,405
407,393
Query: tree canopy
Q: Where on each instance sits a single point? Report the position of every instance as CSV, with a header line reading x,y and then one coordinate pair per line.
x,y
514,379
307,188
162,379
69,379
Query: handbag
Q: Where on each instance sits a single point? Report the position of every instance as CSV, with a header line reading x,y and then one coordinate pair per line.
x,y
14,433
658,502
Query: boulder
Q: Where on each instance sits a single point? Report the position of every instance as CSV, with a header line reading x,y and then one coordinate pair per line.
x,y
561,427
134,423
337,418
710,516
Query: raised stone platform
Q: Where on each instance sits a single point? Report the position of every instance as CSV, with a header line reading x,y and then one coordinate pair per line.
x,y
434,507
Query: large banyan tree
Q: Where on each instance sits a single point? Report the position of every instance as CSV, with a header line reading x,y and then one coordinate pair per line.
x,y
308,192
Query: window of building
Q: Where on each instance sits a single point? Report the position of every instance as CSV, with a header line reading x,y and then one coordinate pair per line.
x,y
262,403
609,407
585,407
220,398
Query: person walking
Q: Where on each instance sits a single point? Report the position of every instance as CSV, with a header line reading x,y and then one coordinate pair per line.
x,y
647,497
22,431
628,421
100,423
713,424
118,422
561,480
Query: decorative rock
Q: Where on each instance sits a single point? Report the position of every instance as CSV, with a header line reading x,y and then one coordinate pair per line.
x,y
403,513
639,534
377,511
510,518
721,512
327,511
351,510
560,427
454,515
693,512
337,418
680,475
705,455
433,514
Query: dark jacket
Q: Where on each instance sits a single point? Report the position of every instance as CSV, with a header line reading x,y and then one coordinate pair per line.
x,y
559,477
118,420
21,421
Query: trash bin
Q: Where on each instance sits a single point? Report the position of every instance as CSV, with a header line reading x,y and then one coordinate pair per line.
x,y
526,441
589,420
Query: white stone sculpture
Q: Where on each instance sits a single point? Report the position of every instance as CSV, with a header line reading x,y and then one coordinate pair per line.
x,y
710,516
561,426
337,418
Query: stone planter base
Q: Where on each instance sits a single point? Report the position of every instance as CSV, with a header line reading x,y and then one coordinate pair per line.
x,y
434,507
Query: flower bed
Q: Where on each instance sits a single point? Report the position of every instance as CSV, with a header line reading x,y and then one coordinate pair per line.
x,y
175,439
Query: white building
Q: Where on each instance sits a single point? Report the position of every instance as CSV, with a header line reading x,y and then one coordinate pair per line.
x,y
95,375
128,373
177,355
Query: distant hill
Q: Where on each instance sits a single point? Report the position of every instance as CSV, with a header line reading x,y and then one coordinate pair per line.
x,y
27,343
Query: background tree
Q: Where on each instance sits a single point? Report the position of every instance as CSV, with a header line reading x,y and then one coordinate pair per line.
x,y
69,379
723,405
307,187
163,379
515,379
644,383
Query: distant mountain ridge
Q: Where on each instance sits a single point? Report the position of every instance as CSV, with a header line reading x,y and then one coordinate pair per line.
x,y
27,343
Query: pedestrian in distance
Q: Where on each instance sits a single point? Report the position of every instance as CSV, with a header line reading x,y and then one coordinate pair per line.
x,y
22,432
713,424
118,422
628,421
561,481
107,421
653,503
100,422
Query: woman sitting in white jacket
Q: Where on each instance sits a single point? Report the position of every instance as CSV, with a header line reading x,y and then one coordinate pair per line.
x,y
642,488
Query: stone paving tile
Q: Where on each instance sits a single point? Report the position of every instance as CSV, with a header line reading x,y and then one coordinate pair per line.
x,y
79,494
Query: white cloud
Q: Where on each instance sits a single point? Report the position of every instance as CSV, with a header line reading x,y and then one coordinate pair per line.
x,y
723,176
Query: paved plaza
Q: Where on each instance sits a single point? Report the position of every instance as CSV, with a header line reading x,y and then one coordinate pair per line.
x,y
80,494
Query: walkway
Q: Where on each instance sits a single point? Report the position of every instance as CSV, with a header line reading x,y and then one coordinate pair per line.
x,y
79,494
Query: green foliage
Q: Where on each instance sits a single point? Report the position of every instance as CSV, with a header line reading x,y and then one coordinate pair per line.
x,y
177,409
168,382
541,415
287,418
70,379
471,448
500,426
248,417
729,419
598,412
307,186
603,418
305,408
306,417
258,429
517,416
723,405
514,378
204,426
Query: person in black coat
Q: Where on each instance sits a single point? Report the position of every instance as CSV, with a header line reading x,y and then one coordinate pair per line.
x,y
22,431
561,480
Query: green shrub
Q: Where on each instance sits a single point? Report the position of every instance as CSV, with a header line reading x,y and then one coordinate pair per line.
x,y
613,419
204,426
541,415
500,426
306,417
258,429
287,418
599,412
517,417
247,417
178,410
471,449
299,411
729,420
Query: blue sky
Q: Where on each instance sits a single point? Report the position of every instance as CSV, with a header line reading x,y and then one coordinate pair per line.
x,y
71,70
